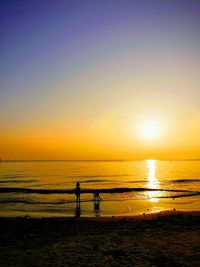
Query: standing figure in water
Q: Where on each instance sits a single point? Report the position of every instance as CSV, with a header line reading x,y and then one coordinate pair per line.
x,y
77,193
96,201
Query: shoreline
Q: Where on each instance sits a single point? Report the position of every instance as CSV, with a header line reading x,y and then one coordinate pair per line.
x,y
122,208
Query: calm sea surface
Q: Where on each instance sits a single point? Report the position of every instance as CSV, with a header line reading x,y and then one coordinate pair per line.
x,y
126,187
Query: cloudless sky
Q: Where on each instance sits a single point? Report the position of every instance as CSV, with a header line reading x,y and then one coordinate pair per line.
x,y
79,78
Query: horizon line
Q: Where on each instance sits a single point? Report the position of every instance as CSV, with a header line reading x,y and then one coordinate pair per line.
x,y
93,160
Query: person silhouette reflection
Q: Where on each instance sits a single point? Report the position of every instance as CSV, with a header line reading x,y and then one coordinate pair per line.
x,y
96,201
78,209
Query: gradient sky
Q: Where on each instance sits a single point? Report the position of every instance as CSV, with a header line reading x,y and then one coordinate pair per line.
x,y
78,79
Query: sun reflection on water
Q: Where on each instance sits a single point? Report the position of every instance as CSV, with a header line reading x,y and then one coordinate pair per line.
x,y
152,180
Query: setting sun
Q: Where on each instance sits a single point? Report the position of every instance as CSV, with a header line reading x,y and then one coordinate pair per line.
x,y
150,129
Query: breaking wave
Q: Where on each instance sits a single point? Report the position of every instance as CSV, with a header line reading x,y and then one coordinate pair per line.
x,y
83,191
186,181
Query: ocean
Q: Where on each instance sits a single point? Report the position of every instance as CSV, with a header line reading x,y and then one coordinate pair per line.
x,y
46,188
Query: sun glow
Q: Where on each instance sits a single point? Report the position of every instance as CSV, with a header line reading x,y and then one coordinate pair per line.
x,y
150,129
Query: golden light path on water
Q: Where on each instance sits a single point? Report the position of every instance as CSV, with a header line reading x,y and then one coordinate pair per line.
x,y
152,180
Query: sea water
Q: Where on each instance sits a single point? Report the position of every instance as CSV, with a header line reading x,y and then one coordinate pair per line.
x,y
46,188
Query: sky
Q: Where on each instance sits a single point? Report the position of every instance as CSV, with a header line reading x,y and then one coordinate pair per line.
x,y
80,79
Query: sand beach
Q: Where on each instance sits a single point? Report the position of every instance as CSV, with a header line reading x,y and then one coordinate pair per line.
x,y
169,238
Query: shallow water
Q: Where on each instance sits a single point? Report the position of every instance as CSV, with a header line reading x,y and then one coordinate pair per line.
x,y
45,188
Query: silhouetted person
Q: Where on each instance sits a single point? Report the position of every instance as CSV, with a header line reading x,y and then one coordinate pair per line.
x,y
96,201
77,192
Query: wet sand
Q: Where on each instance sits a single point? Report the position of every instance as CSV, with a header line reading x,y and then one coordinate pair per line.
x,y
160,239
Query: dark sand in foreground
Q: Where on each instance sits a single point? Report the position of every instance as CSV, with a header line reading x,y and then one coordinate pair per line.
x,y
163,239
